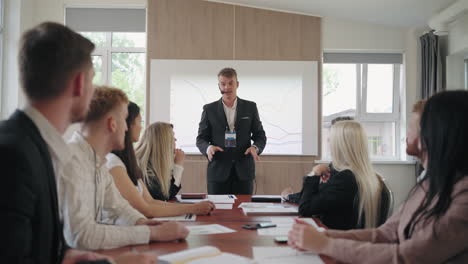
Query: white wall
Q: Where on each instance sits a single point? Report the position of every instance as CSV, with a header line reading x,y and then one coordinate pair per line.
x,y
458,35
457,53
345,35
400,178
18,17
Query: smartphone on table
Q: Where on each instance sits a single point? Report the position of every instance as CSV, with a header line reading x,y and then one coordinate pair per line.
x,y
258,225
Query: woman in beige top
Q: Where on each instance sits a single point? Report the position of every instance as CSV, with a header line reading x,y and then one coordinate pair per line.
x,y
128,178
432,225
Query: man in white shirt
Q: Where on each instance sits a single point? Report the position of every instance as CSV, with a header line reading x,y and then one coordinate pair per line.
x,y
95,215
58,86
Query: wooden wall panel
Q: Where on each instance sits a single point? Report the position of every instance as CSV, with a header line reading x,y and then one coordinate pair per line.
x,y
273,173
187,29
270,35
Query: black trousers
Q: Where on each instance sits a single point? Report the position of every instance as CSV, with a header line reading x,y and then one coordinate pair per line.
x,y
233,185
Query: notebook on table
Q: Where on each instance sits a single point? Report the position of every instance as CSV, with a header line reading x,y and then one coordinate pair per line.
x,y
193,196
203,255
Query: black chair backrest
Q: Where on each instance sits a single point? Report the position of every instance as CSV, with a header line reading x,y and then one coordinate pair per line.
x,y
386,202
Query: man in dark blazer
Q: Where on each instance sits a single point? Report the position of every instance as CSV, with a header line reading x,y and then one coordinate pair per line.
x,y
225,134
56,75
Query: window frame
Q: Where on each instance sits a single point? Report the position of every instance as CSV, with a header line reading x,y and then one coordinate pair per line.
x,y
466,73
365,117
2,30
106,54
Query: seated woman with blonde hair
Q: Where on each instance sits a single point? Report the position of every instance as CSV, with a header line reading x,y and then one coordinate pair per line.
x,y
128,177
160,161
347,193
431,225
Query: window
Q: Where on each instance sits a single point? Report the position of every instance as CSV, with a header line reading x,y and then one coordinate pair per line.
x,y
119,60
366,87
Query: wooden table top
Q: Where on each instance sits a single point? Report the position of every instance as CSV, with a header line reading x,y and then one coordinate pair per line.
x,y
240,242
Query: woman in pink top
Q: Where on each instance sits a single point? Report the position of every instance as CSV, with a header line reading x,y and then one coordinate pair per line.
x,y
432,225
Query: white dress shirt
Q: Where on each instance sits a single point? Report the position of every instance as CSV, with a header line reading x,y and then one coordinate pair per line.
x,y
96,216
421,176
230,114
59,151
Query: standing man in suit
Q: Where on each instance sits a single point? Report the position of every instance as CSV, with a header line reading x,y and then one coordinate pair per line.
x,y
225,132
56,75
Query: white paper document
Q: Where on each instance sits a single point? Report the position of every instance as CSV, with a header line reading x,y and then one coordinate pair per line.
x,y
284,224
266,196
290,220
223,206
228,198
259,205
279,230
271,211
277,255
183,218
203,255
209,229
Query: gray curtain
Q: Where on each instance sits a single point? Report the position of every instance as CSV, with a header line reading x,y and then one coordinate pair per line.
x,y
431,65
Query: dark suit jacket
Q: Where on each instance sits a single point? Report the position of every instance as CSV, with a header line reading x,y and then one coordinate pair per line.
x,y
31,229
248,128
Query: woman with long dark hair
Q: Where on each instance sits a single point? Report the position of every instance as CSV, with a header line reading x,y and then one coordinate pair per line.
x,y
431,226
128,178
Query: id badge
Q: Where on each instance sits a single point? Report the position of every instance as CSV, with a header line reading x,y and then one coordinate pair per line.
x,y
230,139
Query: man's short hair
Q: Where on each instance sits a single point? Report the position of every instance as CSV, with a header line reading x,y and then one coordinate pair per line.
x,y
228,72
49,54
341,118
418,107
104,100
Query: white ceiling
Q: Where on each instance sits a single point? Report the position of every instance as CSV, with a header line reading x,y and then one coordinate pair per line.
x,y
405,13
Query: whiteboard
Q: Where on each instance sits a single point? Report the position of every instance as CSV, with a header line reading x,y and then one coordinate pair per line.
x,y
286,94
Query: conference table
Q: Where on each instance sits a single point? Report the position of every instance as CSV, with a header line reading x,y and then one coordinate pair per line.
x,y
240,242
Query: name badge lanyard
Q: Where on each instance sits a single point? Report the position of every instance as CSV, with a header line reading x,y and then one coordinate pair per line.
x,y
230,138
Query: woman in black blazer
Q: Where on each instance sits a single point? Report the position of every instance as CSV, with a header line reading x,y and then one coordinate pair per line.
x,y
347,194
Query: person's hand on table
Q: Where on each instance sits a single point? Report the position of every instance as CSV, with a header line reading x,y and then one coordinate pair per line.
x,y
131,258
303,236
203,208
148,222
211,151
286,192
73,256
168,231
252,151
